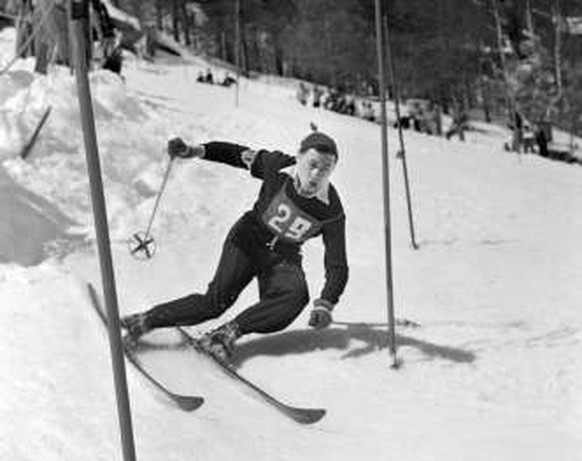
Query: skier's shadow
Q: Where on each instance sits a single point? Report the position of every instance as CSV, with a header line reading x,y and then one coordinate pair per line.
x,y
354,339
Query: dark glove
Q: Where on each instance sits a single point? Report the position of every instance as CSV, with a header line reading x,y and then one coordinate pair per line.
x,y
320,314
178,148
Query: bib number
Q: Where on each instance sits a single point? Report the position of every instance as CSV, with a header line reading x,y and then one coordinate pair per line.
x,y
288,222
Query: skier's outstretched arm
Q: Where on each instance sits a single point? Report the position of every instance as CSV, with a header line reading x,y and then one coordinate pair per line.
x,y
223,152
257,162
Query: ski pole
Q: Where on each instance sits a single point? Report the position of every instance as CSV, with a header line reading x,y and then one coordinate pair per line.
x,y
162,187
142,245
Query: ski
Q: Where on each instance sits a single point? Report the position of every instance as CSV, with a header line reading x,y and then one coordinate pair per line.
x,y
299,415
184,402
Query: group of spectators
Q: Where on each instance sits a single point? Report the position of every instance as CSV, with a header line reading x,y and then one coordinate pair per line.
x,y
416,114
528,137
537,138
335,99
424,116
208,77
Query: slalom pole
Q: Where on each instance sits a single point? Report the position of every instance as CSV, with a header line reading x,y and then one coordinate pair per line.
x,y
79,16
237,51
386,187
400,134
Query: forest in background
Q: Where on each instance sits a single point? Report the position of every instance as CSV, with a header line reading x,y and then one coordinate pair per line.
x,y
443,50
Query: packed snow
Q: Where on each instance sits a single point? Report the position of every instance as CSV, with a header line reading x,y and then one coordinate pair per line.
x,y
491,360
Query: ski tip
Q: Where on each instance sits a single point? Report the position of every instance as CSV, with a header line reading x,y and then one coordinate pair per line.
x,y
308,416
188,403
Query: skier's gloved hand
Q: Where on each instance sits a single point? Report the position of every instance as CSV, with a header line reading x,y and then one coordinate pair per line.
x,y
177,148
321,314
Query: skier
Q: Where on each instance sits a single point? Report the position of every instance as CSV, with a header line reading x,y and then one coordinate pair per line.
x,y
528,138
296,202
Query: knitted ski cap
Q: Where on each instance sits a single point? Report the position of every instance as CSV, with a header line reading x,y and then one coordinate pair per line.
x,y
320,142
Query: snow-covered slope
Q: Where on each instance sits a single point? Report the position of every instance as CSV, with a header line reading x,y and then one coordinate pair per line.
x,y
493,372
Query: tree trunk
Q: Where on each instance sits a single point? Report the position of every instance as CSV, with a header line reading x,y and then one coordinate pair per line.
x,y
185,23
24,30
246,62
43,54
159,14
279,60
484,87
468,97
175,13
557,46
262,54
237,36
329,53
223,45
573,123
486,99
511,109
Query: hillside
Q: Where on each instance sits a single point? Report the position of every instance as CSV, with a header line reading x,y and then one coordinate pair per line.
x,y
492,372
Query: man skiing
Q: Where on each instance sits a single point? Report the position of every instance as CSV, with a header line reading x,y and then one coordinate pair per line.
x,y
296,202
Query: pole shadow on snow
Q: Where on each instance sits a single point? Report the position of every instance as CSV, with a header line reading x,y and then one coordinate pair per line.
x,y
487,241
354,339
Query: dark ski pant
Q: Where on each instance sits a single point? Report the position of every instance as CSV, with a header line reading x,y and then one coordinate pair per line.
x,y
282,290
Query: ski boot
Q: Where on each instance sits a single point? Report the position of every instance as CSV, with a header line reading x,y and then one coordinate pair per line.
x,y
220,342
136,326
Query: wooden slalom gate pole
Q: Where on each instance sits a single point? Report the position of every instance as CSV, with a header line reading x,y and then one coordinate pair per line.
x,y
79,16
386,187
400,135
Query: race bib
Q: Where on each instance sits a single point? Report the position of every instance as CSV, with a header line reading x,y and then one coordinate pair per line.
x,y
287,221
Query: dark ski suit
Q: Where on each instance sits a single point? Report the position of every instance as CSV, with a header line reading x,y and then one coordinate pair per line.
x,y
265,243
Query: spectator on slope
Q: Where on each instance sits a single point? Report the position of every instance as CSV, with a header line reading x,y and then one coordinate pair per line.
x,y
542,139
350,108
209,77
205,77
228,81
529,140
302,93
317,96
459,124
296,202
517,132
331,100
367,111
114,61
437,120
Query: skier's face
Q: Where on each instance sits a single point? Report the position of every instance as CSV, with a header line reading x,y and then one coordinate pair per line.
x,y
313,171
